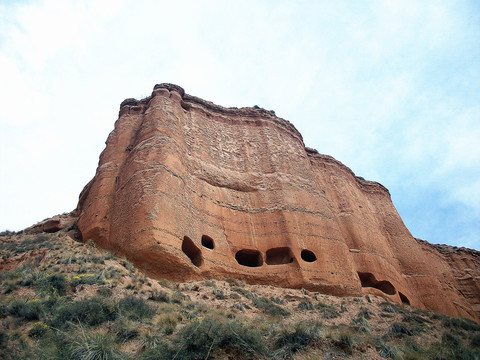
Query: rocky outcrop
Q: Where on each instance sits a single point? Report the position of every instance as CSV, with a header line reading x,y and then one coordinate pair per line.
x,y
187,189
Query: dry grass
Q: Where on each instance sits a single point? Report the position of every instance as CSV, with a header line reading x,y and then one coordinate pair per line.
x,y
60,296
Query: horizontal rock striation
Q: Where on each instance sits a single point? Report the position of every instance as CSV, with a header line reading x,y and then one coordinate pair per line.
x,y
187,189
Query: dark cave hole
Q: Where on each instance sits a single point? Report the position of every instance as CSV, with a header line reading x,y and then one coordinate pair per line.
x,y
404,298
192,251
308,256
250,258
207,242
279,256
369,280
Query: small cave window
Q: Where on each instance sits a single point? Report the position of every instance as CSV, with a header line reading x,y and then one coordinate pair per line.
x,y
250,258
279,256
207,242
192,251
404,298
369,280
308,256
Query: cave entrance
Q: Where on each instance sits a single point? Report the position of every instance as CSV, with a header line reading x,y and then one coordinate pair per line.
x,y
404,298
250,258
207,242
192,251
279,256
369,280
308,256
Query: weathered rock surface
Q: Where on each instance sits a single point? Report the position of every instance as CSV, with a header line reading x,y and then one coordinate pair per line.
x,y
187,189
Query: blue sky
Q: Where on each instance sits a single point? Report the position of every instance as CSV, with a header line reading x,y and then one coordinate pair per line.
x,y
391,89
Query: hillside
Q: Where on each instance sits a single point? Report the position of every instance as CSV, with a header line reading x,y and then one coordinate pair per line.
x,y
64,299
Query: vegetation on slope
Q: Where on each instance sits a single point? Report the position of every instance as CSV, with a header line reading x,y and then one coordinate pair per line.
x,y
61,299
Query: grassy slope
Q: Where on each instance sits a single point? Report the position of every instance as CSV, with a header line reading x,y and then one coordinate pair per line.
x,y
61,299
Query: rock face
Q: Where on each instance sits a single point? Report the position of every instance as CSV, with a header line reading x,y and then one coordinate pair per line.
x,y
187,189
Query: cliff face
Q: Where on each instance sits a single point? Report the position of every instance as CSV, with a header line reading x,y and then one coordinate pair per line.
x,y
187,190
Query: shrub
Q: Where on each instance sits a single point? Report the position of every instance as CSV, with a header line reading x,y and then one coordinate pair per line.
x,y
28,310
277,300
364,313
38,330
248,294
160,296
306,305
449,340
93,311
269,307
345,341
135,308
55,284
198,340
475,341
88,279
210,283
290,342
390,308
399,329
384,350
124,330
219,294
361,324
167,322
92,346
235,282
464,324
177,297
327,311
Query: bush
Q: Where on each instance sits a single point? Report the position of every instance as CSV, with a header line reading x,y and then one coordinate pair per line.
x,y
124,330
360,324
306,305
399,329
160,296
219,294
345,341
449,340
475,341
198,340
269,307
463,324
38,330
93,311
290,342
327,311
167,322
87,279
92,346
235,282
54,284
28,310
135,308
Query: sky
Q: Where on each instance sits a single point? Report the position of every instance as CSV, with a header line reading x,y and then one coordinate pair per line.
x,y
391,89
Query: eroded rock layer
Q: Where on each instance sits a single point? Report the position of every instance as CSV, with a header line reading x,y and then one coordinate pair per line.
x,y
187,189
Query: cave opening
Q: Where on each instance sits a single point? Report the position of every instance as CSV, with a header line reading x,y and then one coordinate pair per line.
x,y
369,280
207,242
308,256
192,251
250,258
404,298
279,256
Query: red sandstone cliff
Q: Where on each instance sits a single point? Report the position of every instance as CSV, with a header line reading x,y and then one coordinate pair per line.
x,y
187,189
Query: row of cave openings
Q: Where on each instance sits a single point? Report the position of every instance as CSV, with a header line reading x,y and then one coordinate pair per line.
x,y
246,257
369,280
280,256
